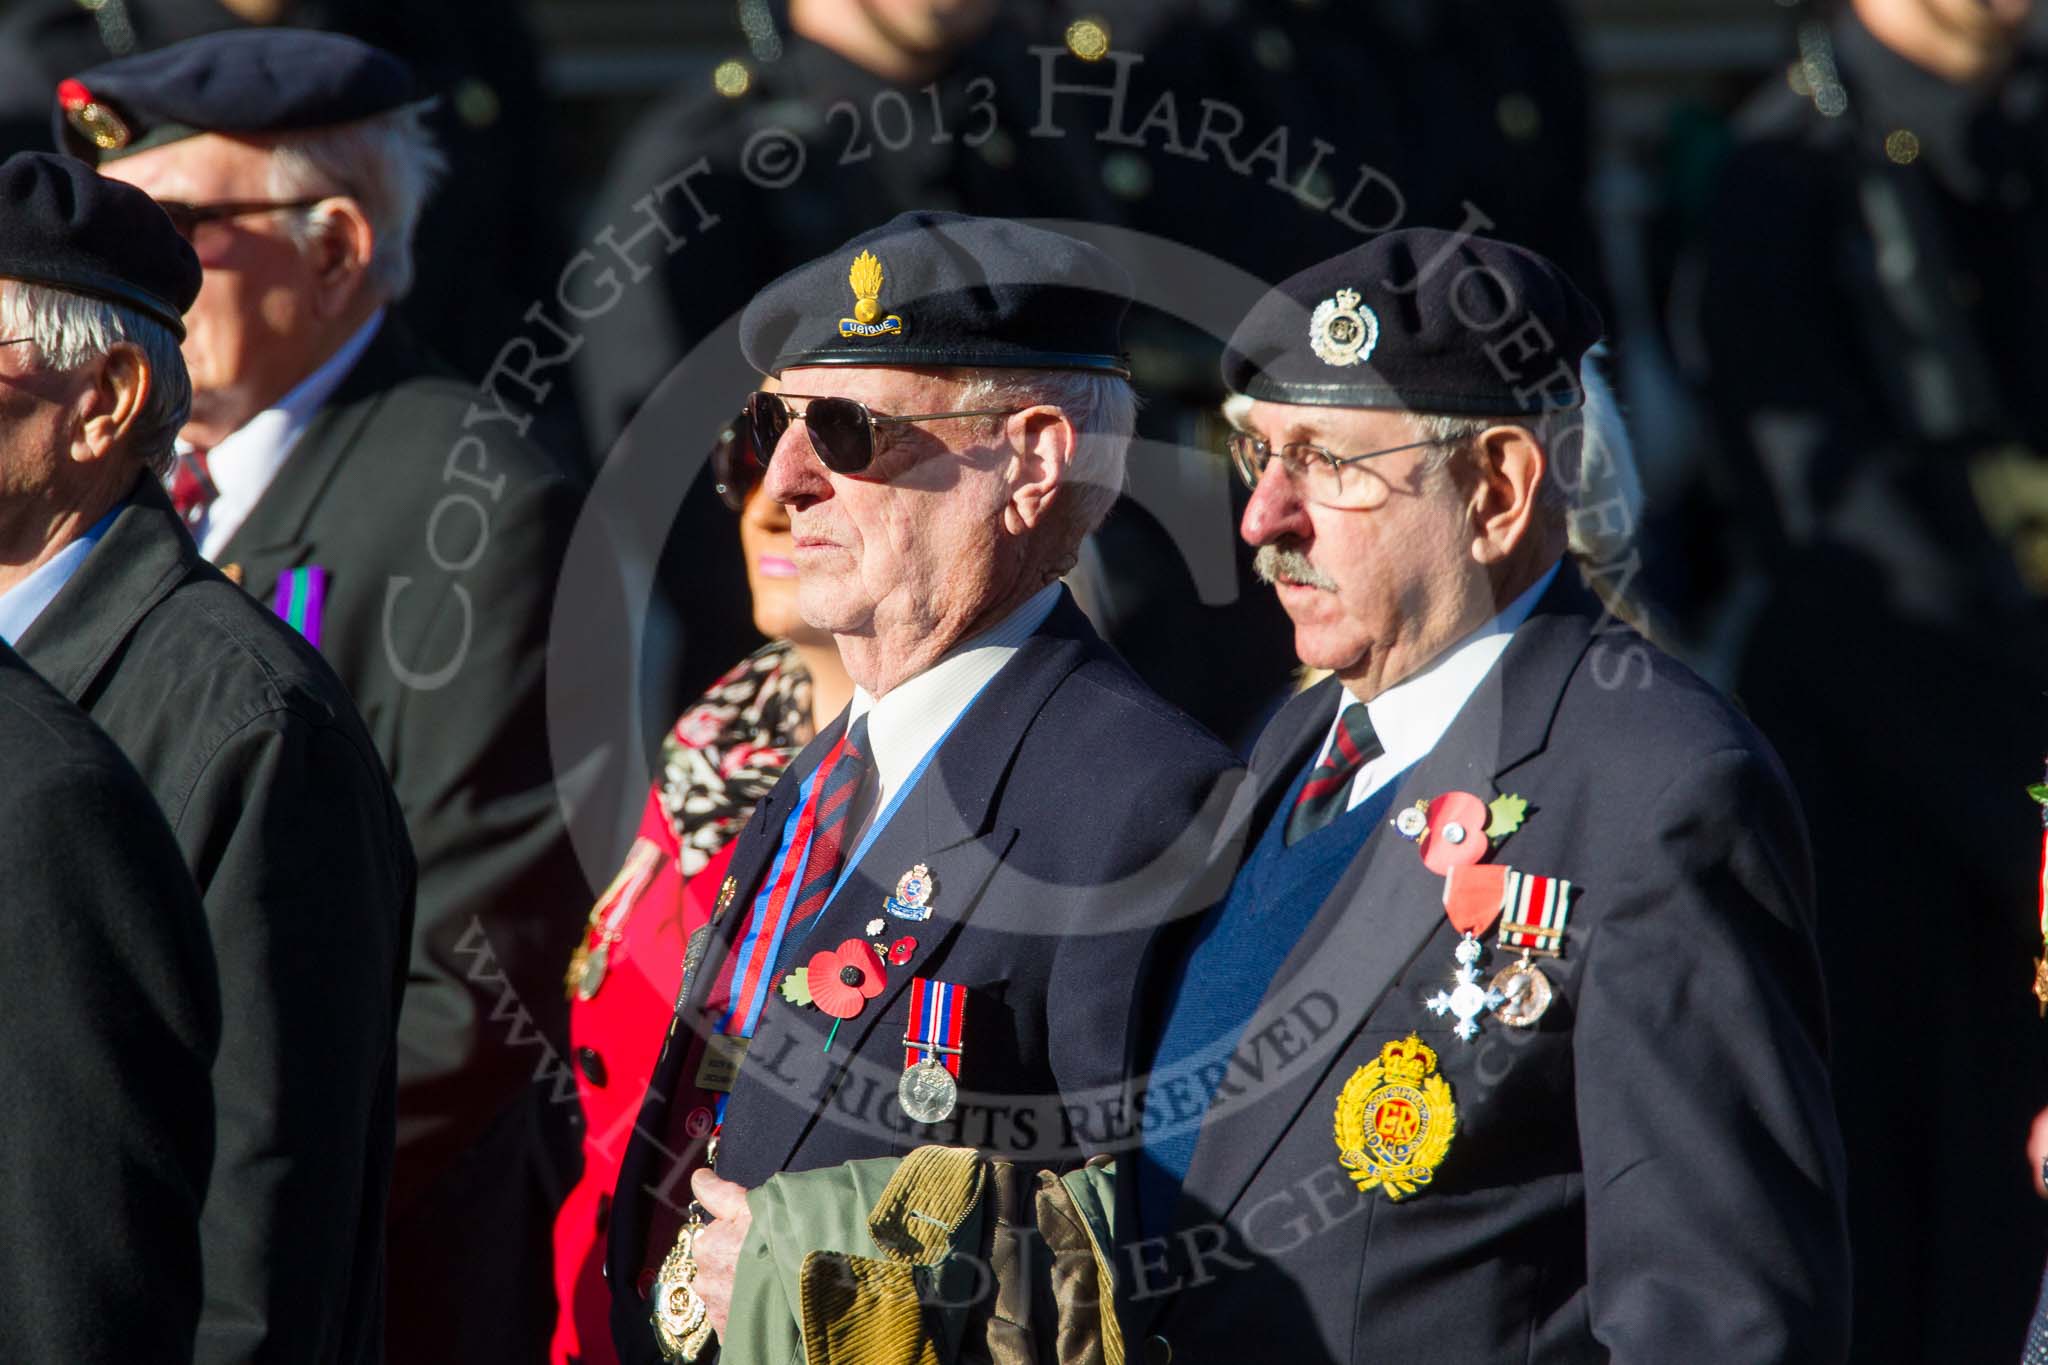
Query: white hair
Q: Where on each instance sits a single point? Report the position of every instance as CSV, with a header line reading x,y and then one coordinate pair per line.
x,y
388,164
1104,411
70,330
1576,440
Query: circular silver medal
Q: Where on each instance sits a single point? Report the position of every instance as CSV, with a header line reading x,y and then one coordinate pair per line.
x,y
1528,994
592,976
928,1092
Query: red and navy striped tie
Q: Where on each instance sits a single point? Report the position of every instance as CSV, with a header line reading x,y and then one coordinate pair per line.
x,y
837,793
1325,795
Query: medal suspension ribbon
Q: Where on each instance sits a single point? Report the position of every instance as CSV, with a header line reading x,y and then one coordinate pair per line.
x,y
939,1008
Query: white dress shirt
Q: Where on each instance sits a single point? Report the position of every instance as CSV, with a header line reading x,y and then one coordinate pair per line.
x,y
1412,715
21,604
908,723
245,461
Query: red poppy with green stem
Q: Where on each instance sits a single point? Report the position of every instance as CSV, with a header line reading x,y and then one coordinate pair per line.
x,y
843,981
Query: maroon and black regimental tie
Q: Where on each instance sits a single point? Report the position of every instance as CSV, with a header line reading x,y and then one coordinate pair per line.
x,y
192,490
1324,796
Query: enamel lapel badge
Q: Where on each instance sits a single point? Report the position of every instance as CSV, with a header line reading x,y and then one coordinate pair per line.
x,y
913,898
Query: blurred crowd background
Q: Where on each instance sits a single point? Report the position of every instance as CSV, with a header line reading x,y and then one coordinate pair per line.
x,y
1820,236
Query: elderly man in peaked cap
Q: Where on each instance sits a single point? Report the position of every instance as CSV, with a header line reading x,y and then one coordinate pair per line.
x,y
249,742
1506,1043
932,924
332,469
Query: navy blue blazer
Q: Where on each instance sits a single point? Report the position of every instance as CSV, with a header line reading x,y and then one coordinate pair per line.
x,y
1063,820
1653,1172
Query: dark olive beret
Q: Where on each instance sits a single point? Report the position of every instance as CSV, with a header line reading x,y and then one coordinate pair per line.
x,y
64,225
245,80
1420,320
931,288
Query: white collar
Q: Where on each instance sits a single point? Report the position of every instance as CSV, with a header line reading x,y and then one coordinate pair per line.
x,y
243,465
1412,715
21,604
903,726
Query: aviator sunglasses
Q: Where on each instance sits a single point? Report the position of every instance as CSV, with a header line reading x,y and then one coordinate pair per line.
x,y
735,468
842,430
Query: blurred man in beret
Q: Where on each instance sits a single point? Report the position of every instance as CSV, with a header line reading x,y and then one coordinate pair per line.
x,y
1507,1041
331,469
250,744
931,925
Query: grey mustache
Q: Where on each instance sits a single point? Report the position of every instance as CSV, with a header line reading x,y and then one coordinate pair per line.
x,y
1275,565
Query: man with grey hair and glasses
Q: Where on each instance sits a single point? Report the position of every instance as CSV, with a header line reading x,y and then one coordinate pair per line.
x,y
249,743
332,469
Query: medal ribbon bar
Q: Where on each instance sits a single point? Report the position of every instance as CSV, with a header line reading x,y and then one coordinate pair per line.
x,y
1535,910
937,1011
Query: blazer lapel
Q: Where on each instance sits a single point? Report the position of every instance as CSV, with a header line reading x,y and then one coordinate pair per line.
x,y
276,535
1382,911
143,556
949,823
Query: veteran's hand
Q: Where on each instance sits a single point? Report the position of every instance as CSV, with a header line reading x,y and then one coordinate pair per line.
x,y
718,1245
2037,1152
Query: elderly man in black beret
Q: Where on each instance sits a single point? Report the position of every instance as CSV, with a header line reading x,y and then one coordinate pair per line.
x,y
1507,1042
250,743
332,469
931,927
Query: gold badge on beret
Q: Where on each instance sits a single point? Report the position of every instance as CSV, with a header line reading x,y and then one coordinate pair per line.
x,y
1395,1120
97,123
867,321
1342,330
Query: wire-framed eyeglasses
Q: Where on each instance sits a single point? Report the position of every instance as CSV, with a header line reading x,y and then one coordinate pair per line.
x,y
1324,478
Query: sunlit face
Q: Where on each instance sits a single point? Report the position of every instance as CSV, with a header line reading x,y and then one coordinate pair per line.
x,y
248,337
915,540
931,26
2002,18
38,413
1363,587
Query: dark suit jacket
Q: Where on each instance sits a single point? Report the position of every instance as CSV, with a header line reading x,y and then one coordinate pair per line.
x,y
109,1017
1651,1173
1060,821
254,752
442,545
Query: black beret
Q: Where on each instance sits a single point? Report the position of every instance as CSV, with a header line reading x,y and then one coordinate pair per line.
x,y
932,288
245,80
64,225
1420,320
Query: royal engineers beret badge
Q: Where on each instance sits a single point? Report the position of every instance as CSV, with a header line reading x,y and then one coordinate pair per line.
x,y
867,319
1342,331
1395,1120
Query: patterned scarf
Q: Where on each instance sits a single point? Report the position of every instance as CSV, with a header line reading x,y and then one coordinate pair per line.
x,y
728,750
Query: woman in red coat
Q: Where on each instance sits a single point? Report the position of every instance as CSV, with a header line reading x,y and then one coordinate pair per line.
x,y
723,755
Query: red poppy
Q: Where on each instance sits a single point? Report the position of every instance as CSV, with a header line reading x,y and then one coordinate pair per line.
x,y
901,949
1456,833
844,980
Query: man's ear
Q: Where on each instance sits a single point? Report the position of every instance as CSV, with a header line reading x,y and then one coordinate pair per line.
x,y
1042,442
1509,467
341,251
109,407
